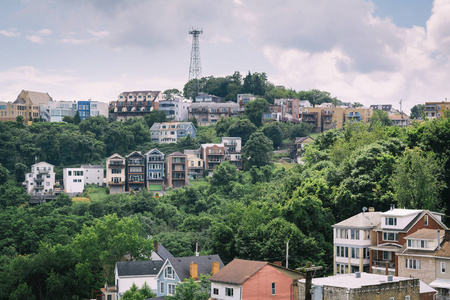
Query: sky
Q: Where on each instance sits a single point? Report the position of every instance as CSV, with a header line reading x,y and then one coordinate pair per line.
x,y
367,51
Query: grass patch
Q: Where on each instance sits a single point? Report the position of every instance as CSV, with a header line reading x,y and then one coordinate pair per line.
x,y
95,193
285,165
81,200
199,182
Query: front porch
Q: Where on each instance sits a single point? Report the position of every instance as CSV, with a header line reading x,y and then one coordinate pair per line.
x,y
383,260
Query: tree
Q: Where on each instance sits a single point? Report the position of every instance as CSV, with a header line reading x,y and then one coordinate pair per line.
x,y
300,130
223,125
223,175
242,128
417,111
68,119
20,121
273,132
77,118
257,151
189,289
170,94
155,116
255,84
380,117
135,293
254,110
4,173
418,180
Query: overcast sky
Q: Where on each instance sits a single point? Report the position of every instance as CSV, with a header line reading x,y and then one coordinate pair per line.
x,y
372,51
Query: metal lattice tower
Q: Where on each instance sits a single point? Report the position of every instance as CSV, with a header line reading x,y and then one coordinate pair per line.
x,y
195,69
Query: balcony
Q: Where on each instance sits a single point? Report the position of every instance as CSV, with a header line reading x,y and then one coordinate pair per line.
x,y
43,171
215,161
116,182
39,186
430,108
116,165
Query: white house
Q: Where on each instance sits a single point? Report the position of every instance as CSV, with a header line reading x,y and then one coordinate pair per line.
x,y
41,179
76,178
137,272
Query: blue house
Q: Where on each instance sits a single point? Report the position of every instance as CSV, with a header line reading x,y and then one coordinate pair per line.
x,y
171,132
155,170
84,109
176,269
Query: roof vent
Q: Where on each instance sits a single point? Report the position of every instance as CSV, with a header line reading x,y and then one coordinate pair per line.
x,y
390,278
358,275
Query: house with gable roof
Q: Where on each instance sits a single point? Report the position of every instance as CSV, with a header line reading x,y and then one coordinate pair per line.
x,y
175,270
115,173
248,279
176,170
135,171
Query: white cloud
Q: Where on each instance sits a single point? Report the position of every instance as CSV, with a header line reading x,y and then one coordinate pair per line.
x,y
35,39
10,33
44,32
98,34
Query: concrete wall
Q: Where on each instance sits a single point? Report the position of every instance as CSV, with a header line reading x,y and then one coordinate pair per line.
x,y
426,273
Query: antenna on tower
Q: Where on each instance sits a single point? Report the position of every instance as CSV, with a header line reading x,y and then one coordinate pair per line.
x,y
195,68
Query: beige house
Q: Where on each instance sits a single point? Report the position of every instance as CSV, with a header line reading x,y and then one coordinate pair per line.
x,y
136,104
115,173
176,170
195,164
26,105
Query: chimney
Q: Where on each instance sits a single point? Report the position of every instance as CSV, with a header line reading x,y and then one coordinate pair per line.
x,y
215,267
439,240
193,270
371,209
447,235
278,263
155,245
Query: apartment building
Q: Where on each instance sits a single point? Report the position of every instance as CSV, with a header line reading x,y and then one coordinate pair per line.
x,y
212,155
176,170
171,132
74,179
176,109
434,110
115,173
206,98
243,99
209,113
135,171
358,114
41,179
91,108
136,104
26,105
155,170
233,150
352,239
195,164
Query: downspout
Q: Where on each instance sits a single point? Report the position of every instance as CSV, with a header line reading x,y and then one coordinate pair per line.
x,y
348,293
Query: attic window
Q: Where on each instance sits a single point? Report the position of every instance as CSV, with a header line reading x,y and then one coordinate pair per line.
x,y
425,219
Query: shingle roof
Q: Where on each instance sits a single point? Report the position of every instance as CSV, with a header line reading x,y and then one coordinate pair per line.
x,y
238,271
130,268
444,251
214,104
181,265
163,252
301,139
424,234
366,219
176,154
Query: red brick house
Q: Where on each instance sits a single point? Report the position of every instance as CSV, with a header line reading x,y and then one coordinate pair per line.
x,y
247,279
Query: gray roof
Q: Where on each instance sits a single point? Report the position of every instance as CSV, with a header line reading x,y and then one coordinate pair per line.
x,y
361,220
214,104
131,268
163,252
92,166
181,265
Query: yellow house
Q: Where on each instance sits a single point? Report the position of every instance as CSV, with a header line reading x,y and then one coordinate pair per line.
x,y
26,105
435,110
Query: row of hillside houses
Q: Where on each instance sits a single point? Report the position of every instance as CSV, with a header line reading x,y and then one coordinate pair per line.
x,y
35,105
247,279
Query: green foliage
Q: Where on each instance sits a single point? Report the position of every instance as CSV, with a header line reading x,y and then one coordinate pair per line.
x,y
418,180
257,151
155,116
170,94
300,130
254,110
274,133
135,293
242,128
192,290
77,118
380,118
417,111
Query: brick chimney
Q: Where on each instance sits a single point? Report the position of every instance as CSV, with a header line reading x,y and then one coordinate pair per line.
x,y
278,263
447,235
215,267
155,245
371,209
193,270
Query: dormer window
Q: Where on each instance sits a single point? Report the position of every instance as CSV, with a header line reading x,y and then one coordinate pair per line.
x,y
168,272
391,221
418,244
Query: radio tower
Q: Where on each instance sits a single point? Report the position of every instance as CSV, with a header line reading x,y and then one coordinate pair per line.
x,y
195,69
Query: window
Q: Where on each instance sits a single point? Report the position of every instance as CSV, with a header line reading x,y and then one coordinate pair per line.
x,y
229,292
342,251
418,244
274,288
168,272
443,267
354,234
116,171
215,291
412,264
70,173
390,236
425,219
407,297
161,288
342,233
355,252
387,255
171,288
391,221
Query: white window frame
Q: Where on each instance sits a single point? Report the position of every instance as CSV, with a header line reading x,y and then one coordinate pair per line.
x,y
229,292
161,287
412,264
425,219
274,288
387,256
443,267
386,236
215,291
171,286
168,275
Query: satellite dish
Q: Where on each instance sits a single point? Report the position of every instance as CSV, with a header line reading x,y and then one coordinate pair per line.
x,y
364,209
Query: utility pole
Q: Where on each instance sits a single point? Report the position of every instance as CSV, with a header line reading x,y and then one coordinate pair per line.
x,y
401,112
308,271
195,68
287,254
